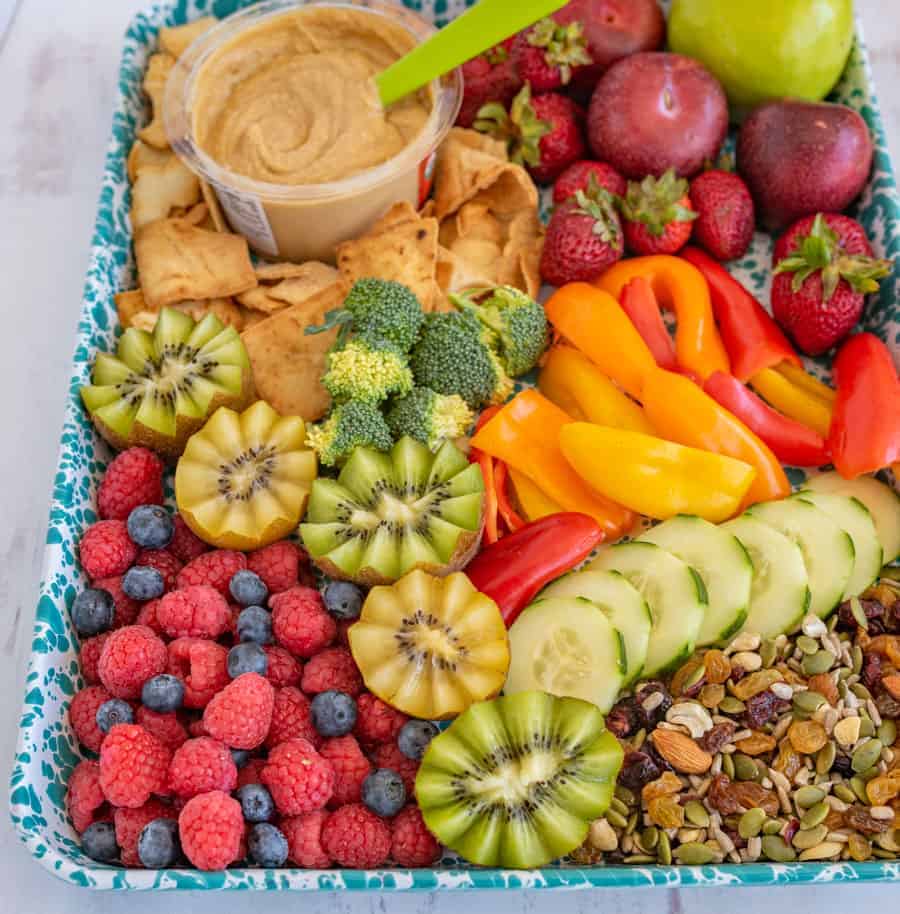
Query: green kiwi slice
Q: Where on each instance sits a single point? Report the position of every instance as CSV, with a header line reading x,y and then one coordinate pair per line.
x,y
160,387
387,514
516,782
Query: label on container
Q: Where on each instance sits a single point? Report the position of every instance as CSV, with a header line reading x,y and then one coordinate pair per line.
x,y
426,176
247,217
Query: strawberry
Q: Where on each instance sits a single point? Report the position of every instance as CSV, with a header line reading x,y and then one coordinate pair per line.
x,y
577,177
584,237
543,133
489,77
824,268
657,214
726,214
547,54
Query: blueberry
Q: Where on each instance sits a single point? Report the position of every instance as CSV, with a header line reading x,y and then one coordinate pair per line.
x,y
112,712
240,756
256,803
248,588
414,737
254,624
343,600
163,693
383,792
98,841
92,611
158,845
150,527
267,845
247,657
141,582
333,713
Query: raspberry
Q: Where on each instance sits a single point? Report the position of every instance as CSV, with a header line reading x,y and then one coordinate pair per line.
x,y
291,718
133,764
351,768
304,835
126,610
299,621
106,549
147,616
89,655
195,611
213,568
84,798
377,722
411,842
241,713
333,668
130,656
211,828
201,765
278,564
132,478
167,728
202,666
196,728
83,716
130,823
388,755
250,773
356,838
298,778
284,669
185,544
164,562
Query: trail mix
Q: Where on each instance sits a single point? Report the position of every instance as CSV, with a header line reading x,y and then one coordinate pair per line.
x,y
780,750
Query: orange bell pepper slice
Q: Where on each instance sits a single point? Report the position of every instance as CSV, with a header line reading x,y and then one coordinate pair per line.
x,y
681,411
681,287
594,322
578,387
525,435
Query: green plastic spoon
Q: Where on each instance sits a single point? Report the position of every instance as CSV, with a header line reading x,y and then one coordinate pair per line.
x,y
481,27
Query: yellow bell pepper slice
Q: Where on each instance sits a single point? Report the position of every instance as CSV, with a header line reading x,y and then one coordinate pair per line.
x,y
531,500
793,401
656,477
576,385
805,381
594,322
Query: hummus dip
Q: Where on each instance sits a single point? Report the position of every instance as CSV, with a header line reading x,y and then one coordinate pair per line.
x,y
292,100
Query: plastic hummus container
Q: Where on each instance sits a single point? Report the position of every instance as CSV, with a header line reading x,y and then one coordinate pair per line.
x,y
273,109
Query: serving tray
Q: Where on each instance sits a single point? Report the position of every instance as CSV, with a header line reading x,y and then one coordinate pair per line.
x,y
47,749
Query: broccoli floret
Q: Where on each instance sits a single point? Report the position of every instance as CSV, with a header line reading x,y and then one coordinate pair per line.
x,y
429,417
518,324
378,309
367,370
454,356
349,426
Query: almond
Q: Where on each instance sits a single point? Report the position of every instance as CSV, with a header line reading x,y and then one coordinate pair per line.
x,y
681,752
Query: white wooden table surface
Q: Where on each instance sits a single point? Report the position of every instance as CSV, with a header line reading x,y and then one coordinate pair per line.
x,y
58,66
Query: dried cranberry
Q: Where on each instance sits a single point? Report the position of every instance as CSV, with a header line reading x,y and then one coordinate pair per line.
x,y
874,613
625,718
654,687
713,740
842,766
888,707
871,671
638,769
763,707
792,828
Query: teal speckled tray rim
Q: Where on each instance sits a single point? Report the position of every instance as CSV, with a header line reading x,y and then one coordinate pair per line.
x,y
45,752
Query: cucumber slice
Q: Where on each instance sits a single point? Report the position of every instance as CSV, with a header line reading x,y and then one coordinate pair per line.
x,y
881,500
853,517
723,564
674,593
827,549
625,608
779,595
567,647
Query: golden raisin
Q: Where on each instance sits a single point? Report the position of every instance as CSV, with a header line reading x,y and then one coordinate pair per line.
x,y
788,762
790,677
824,685
884,788
711,695
666,812
860,849
684,673
755,683
807,736
756,743
718,667
834,820
665,785
730,797
885,645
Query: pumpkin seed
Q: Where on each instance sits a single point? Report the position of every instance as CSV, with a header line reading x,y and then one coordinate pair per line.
x,y
868,774
664,849
772,826
808,645
810,702
825,758
856,655
744,767
866,755
728,765
649,838
859,614
820,662
888,840
809,837
860,691
696,814
768,651
751,822
815,815
694,854
858,786
774,848
887,732
615,818
625,795
731,705
632,822
808,796
883,854
866,727
620,807
843,792
822,851
639,858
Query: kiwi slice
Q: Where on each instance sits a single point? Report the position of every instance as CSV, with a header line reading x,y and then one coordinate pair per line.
x,y
160,387
244,478
516,782
387,514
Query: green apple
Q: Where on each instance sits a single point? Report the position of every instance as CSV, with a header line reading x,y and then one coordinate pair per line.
x,y
765,49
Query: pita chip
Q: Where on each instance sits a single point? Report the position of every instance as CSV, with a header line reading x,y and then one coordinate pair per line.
x,y
142,155
159,66
158,189
464,168
299,282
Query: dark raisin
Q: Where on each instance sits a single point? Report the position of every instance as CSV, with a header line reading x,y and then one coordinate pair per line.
x,y
874,613
859,818
763,707
625,718
654,687
888,707
638,769
892,618
658,760
736,838
871,671
737,672
841,765
713,740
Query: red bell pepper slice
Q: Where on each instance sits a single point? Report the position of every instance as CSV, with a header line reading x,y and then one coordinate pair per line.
x,y
513,570
792,442
638,301
753,340
865,424
507,512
